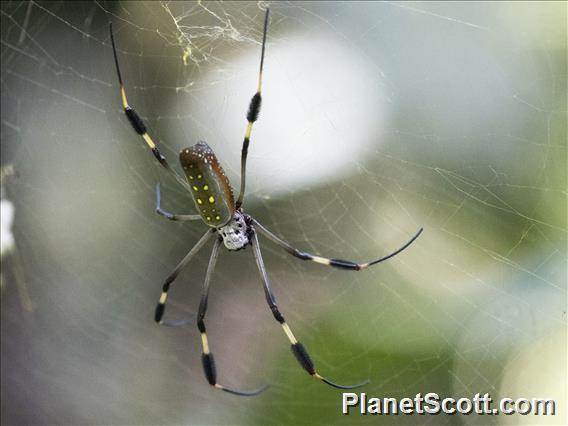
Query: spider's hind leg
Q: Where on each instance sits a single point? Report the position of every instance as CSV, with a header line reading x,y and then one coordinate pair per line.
x,y
206,356
298,349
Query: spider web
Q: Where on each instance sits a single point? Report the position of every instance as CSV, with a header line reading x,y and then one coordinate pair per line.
x,y
378,118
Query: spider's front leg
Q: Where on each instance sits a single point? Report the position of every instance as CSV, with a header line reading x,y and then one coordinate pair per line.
x,y
252,116
138,124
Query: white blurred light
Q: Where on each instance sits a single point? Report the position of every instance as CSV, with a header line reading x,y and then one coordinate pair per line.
x,y
535,372
322,107
6,221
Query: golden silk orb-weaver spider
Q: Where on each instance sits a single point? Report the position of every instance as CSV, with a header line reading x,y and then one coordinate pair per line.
x,y
230,225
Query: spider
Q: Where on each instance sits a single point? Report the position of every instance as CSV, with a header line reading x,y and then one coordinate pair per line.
x,y
229,225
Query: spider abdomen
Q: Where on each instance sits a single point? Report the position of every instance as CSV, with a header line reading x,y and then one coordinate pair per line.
x,y
210,187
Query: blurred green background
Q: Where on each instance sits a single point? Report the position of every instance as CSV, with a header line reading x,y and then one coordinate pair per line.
x,y
378,118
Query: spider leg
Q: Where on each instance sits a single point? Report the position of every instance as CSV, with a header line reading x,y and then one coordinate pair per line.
x,y
138,124
161,306
207,357
172,216
252,116
337,263
298,349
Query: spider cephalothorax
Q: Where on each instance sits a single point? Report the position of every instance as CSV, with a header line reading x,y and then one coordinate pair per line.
x,y
236,233
217,208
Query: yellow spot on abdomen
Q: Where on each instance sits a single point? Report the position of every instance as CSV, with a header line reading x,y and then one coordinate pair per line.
x,y
199,201
205,187
195,188
211,200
